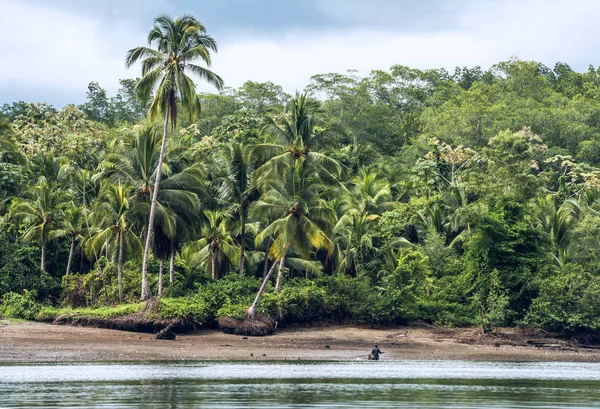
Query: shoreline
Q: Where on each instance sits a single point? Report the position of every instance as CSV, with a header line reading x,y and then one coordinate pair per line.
x,y
32,342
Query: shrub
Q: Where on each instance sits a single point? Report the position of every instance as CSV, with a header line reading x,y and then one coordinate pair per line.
x,y
232,289
237,311
300,301
100,286
20,306
569,301
193,308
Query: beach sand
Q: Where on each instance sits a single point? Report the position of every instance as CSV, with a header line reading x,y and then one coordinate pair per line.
x,y
38,342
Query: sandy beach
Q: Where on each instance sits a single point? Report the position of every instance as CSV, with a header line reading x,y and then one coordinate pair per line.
x,y
38,342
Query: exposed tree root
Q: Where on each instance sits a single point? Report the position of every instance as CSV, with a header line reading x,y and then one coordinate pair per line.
x,y
145,320
259,326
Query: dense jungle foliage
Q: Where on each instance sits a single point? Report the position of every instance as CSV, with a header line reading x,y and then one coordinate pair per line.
x,y
461,198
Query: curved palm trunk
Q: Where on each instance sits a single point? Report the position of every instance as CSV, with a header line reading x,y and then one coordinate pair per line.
x,y
279,275
172,264
120,266
252,309
160,277
266,263
145,288
70,255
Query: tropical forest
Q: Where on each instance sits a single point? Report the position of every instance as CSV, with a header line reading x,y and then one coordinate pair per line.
x,y
458,198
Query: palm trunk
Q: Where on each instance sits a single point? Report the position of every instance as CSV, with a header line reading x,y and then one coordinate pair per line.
x,y
266,263
252,309
213,261
279,275
160,277
70,255
145,288
243,247
172,265
120,266
43,261
81,262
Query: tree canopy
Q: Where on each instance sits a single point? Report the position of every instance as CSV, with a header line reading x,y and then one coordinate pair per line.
x,y
460,198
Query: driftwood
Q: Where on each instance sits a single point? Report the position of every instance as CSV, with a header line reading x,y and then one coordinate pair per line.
x,y
166,333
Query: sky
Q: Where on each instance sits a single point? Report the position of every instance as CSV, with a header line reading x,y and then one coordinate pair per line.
x,y
51,49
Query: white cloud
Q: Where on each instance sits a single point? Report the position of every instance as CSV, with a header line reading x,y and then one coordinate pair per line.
x,y
67,50
486,33
53,48
414,15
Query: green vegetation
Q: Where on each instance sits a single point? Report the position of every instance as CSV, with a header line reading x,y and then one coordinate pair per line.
x,y
465,198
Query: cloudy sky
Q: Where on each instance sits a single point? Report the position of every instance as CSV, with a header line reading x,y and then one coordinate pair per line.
x,y
51,49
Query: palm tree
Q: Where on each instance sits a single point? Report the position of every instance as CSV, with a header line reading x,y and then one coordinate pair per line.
x,y
294,138
41,212
354,233
369,194
236,189
161,248
216,246
179,42
113,216
73,226
7,143
133,161
556,222
301,217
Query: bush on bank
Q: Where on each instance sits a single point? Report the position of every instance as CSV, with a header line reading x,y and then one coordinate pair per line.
x,y
566,303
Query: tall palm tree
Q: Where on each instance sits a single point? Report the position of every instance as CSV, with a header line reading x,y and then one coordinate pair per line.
x,y
73,218
179,43
236,189
296,202
113,216
134,161
294,137
40,210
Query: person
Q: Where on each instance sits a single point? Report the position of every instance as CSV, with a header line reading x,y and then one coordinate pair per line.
x,y
374,355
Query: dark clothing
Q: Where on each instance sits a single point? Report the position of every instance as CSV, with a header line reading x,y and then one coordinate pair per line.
x,y
375,352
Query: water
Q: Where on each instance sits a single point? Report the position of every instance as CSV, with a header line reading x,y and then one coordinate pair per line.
x,y
397,384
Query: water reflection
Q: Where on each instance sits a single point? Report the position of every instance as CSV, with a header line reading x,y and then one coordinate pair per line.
x,y
307,385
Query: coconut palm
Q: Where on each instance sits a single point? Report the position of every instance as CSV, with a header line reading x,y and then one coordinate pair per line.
x,y
73,218
294,137
7,144
113,215
45,166
296,202
161,249
354,233
556,222
40,210
215,247
236,189
369,194
134,161
179,43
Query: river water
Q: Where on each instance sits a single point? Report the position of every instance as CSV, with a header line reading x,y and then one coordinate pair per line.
x,y
361,384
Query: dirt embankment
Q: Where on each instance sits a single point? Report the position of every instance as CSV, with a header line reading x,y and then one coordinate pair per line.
x,y
38,342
